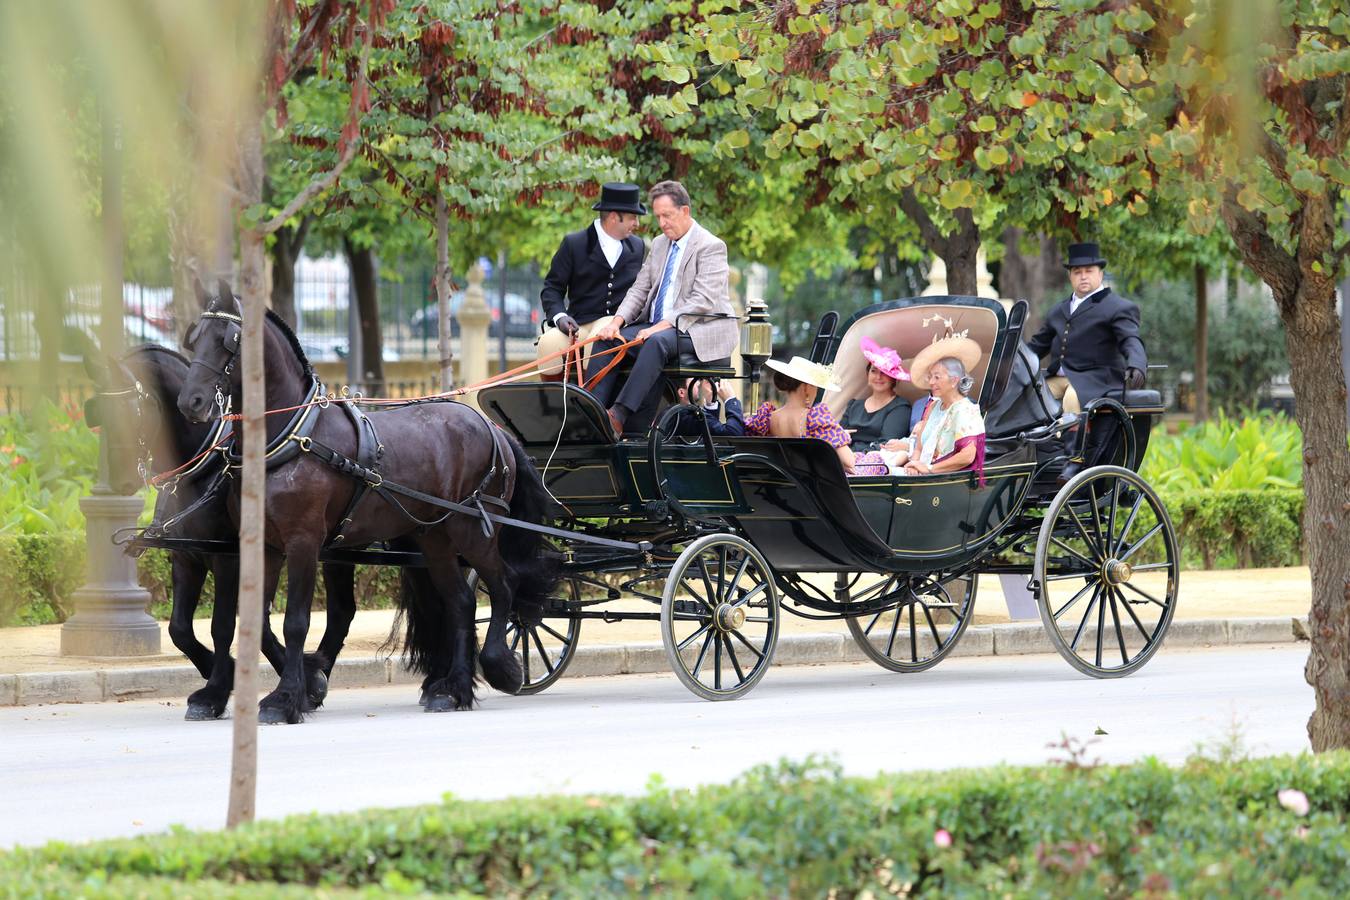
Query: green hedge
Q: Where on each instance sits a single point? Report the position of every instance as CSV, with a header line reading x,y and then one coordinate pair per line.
x,y
799,830
1241,529
39,573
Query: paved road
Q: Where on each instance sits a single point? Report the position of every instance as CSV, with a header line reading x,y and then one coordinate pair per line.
x,y
83,772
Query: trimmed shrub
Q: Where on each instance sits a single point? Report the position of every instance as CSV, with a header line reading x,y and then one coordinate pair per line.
x,y
1207,829
1239,529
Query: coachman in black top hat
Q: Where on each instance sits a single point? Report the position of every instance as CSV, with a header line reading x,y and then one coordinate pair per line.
x,y
1090,341
591,272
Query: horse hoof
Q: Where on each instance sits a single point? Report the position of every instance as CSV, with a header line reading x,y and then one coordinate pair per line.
x,y
202,712
317,689
439,703
422,700
271,715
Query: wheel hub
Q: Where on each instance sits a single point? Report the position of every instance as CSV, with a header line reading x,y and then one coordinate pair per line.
x,y
1116,572
728,617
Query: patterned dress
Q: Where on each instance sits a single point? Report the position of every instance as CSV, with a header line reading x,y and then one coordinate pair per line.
x,y
820,424
959,426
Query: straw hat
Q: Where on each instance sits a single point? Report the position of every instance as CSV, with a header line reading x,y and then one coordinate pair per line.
x,y
961,348
802,369
883,359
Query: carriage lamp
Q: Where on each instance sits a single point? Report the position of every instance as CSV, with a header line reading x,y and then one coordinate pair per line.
x,y
756,346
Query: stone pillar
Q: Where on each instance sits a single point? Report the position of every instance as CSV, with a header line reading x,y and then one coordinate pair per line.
x,y
110,617
474,317
734,295
937,278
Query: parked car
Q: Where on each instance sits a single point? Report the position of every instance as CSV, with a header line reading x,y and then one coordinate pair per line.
x,y
522,317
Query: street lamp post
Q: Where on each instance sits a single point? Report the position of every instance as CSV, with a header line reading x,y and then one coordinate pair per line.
x,y
110,617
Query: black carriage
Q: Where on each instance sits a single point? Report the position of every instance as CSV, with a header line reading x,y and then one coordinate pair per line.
x,y
734,531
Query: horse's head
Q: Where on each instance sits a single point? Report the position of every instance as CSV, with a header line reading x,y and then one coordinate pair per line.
x,y
128,415
213,342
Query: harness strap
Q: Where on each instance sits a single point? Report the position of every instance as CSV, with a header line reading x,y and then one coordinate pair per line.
x,y
208,495
622,351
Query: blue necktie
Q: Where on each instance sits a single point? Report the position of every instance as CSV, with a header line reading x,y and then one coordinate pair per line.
x,y
659,307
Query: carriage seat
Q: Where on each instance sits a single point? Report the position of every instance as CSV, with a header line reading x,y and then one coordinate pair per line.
x,y
689,365
1142,399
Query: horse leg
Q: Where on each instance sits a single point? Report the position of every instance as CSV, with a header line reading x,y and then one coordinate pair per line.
x,y
450,676
209,702
500,665
188,577
340,586
288,702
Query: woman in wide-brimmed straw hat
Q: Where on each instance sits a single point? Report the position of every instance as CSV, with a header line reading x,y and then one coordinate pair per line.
x,y
951,435
799,416
882,416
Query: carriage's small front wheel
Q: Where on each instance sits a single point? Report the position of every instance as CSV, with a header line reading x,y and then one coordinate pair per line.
x,y
1107,568
928,617
720,617
546,646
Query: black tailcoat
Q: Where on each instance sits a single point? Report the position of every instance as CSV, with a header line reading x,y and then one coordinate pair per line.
x,y
1094,346
581,274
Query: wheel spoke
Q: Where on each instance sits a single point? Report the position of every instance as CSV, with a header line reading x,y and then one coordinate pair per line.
x,y
543,654
1149,567
1101,628
736,579
749,646
1129,523
895,626
1148,636
702,630
1078,523
1072,552
932,626
1072,600
872,624
735,663
755,591
1146,595
1141,542
525,655
713,596
1115,619
515,637
1078,635
760,619
560,637
703,652
717,661
722,573
1096,515
1111,516
913,635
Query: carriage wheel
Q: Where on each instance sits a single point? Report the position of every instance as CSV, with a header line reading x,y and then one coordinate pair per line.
x,y
1107,567
719,617
546,646
921,629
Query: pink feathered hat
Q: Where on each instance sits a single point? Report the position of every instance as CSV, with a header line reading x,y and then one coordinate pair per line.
x,y
884,360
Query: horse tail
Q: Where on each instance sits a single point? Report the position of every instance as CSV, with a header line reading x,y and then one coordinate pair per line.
x,y
421,618
534,573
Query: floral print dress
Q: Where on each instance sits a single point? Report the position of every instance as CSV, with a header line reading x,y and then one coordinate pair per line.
x,y
820,424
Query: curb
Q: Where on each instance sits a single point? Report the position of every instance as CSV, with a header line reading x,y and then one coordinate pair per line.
x,y
1012,639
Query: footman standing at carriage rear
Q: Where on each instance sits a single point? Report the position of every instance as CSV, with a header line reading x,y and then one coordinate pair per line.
x,y
590,273
1091,341
683,282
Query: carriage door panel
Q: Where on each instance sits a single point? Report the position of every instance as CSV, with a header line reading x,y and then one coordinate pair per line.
x,y
876,501
931,514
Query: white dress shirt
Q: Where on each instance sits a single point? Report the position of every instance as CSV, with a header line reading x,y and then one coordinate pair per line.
x,y
668,313
609,246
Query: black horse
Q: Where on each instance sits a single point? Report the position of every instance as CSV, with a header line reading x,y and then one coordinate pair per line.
x,y
326,462
145,435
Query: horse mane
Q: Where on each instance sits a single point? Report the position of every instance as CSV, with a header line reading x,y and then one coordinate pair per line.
x,y
148,348
280,323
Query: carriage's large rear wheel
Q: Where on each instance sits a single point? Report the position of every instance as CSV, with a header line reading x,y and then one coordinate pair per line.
x,y
546,645
922,628
1107,568
719,617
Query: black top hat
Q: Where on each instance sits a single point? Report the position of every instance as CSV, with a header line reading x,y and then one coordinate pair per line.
x,y
619,196
1085,254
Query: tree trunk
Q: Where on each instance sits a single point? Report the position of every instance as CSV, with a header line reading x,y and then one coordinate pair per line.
x,y
1313,341
1201,384
365,276
959,249
443,316
286,249
252,253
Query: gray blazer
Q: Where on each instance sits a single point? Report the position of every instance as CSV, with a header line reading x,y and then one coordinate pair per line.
x,y
700,287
